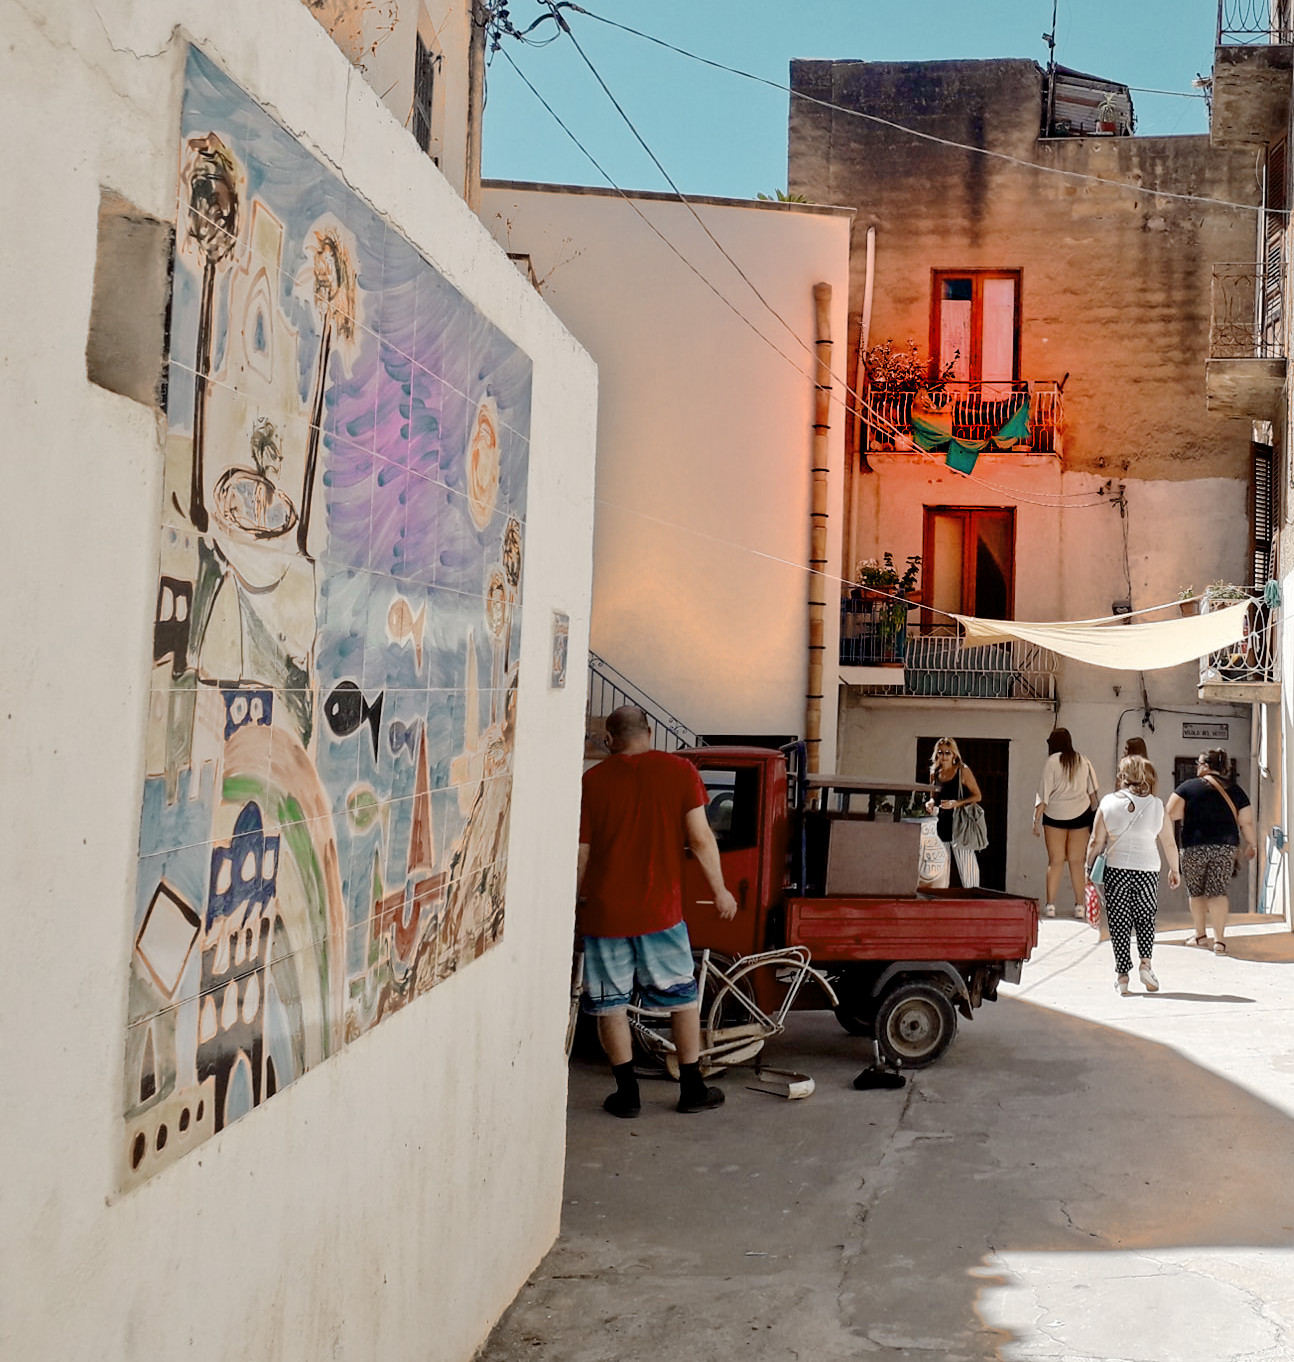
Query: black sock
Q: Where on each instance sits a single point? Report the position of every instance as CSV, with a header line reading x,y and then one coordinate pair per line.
x,y
626,1083
691,1086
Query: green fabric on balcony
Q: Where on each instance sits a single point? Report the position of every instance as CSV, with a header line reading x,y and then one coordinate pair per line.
x,y
932,429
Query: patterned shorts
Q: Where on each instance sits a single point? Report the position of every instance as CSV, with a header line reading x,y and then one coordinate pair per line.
x,y
1206,870
657,966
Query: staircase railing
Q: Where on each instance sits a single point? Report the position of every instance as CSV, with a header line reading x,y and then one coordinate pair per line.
x,y
609,689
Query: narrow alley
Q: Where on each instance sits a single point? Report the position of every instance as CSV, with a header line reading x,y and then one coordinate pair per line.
x,y
1082,1176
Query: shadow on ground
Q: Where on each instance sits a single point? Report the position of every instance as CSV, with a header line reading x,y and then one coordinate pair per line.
x,y
853,1223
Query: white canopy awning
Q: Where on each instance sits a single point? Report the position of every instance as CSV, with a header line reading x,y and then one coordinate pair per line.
x,y
1113,643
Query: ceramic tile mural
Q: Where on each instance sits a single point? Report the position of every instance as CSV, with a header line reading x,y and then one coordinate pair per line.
x,y
324,829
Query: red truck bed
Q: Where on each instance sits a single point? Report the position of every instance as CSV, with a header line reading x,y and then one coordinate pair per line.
x,y
956,925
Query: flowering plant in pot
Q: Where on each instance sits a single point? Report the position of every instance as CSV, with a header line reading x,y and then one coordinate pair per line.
x,y
883,578
1226,591
879,584
902,369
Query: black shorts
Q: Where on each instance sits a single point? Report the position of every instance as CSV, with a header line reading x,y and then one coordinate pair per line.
x,y
1084,820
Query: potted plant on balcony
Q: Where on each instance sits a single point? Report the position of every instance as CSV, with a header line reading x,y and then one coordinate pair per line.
x,y
1226,592
1237,662
1187,601
881,599
893,370
1108,114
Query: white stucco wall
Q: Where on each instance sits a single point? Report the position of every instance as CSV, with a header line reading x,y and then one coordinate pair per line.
x,y
391,1201
704,437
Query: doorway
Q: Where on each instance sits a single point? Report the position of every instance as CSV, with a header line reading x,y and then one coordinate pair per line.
x,y
988,758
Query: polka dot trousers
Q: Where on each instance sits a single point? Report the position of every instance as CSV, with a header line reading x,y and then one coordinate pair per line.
x,y
1130,906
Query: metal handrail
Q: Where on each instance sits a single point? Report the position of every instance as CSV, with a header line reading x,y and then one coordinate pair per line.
x,y
609,689
978,409
1254,23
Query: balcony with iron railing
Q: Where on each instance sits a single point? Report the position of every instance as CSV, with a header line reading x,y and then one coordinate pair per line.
x,y
1250,669
1251,71
900,659
972,412
1251,23
1245,371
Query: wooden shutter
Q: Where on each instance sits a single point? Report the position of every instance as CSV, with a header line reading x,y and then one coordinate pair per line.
x,y
1275,198
1263,512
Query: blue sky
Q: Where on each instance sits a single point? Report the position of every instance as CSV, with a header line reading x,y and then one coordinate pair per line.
x,y
717,133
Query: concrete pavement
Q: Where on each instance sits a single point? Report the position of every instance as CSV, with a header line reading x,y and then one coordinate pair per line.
x,y
1081,1177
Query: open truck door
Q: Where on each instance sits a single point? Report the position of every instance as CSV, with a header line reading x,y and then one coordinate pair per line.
x,y
747,814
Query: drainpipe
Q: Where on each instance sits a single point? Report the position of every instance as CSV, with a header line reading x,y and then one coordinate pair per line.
x,y
818,528
479,17
865,330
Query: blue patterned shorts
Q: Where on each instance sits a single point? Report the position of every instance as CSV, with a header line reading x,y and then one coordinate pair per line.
x,y
659,963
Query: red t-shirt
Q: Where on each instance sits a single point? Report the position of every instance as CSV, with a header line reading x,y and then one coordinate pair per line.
x,y
633,820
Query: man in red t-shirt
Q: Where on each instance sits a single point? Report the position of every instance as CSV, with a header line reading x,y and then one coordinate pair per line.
x,y
639,809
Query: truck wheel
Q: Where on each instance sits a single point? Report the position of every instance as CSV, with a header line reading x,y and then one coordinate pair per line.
x,y
915,1024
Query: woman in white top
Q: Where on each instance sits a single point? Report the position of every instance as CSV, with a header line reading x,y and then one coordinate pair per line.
x,y
1063,813
1128,824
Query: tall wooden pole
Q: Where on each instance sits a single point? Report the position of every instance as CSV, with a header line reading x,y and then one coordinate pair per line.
x,y
818,527
476,54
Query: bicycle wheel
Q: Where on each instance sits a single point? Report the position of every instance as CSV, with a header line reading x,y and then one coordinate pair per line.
x,y
735,1027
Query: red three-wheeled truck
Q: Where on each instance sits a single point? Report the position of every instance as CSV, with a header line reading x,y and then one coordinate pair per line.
x,y
825,871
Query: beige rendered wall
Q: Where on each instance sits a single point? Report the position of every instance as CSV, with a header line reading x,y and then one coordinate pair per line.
x,y
391,1201
704,437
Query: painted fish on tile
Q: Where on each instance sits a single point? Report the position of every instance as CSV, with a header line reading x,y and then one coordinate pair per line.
x,y
346,710
402,735
403,626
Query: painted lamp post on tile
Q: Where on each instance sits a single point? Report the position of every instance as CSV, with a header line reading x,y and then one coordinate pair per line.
x,y
213,225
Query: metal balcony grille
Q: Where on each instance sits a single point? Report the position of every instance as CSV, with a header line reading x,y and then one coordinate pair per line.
x,y
1246,316
1254,22
978,409
1255,658
937,665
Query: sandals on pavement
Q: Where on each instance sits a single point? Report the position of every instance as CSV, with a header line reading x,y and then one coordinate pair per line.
x,y
1200,940
1219,948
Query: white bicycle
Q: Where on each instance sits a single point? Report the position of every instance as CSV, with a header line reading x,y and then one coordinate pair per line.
x,y
734,1025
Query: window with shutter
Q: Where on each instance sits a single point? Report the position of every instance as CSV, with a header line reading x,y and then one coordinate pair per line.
x,y
1271,303
1263,513
968,563
424,89
975,327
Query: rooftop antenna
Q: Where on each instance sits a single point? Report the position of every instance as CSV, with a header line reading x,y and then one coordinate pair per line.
x,y
1050,40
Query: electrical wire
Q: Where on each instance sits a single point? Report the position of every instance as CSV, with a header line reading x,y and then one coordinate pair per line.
x,y
916,132
1179,94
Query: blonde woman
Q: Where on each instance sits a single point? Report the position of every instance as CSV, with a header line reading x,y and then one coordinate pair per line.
x,y
1128,824
1063,811
955,787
